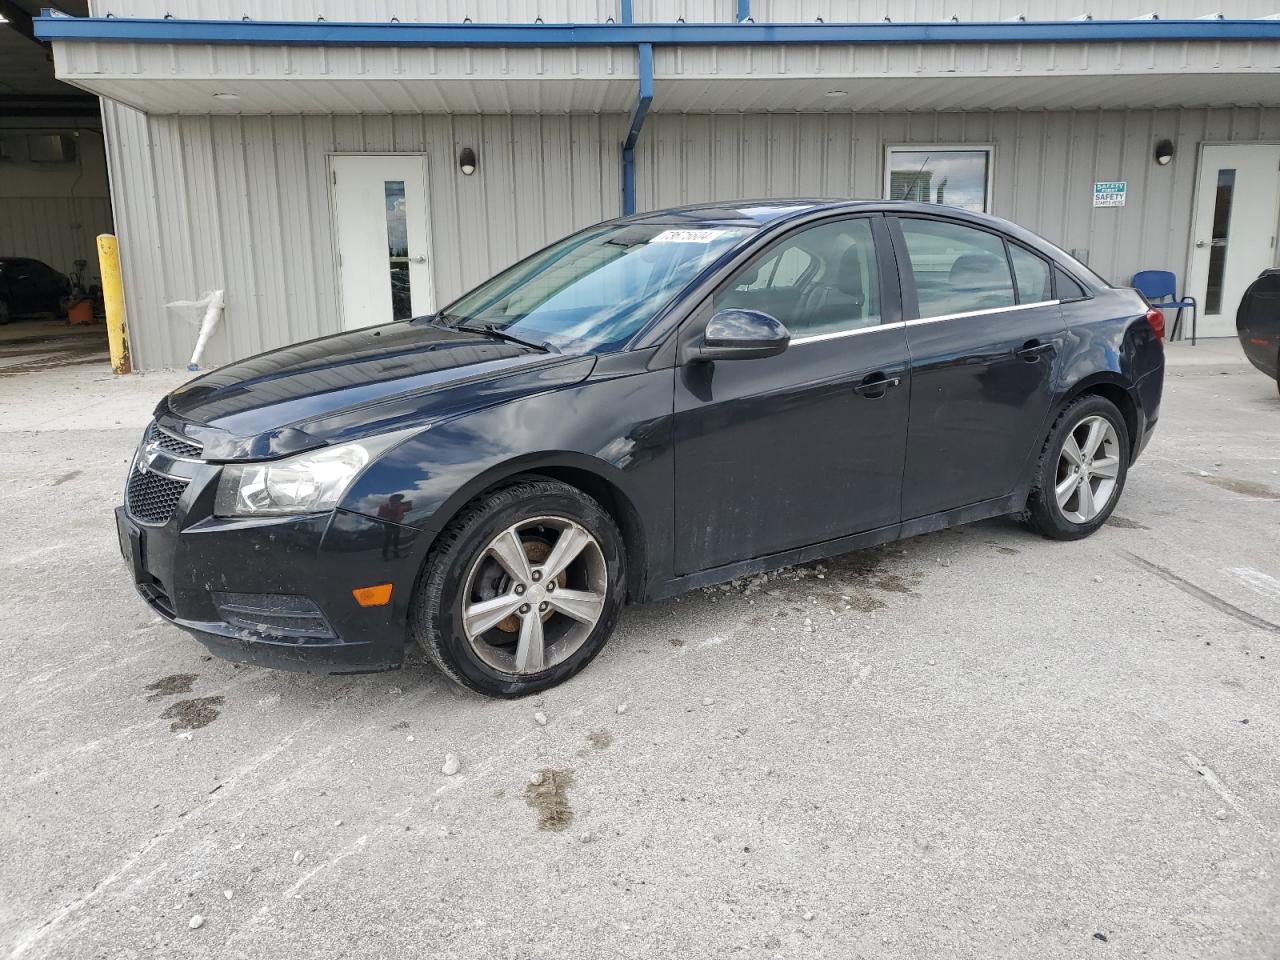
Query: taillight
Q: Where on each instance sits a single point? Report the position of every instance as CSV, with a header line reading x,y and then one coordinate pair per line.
x,y
1155,320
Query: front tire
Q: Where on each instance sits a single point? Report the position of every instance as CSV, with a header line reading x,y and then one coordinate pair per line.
x,y
1082,469
522,589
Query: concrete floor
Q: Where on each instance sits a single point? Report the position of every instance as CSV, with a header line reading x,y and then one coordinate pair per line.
x,y
997,746
27,346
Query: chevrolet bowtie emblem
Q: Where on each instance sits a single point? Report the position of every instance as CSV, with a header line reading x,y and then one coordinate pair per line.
x,y
149,454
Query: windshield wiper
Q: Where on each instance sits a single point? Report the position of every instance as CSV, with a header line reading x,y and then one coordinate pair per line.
x,y
493,330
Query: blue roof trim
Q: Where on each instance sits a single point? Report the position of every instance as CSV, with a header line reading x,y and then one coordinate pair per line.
x,y
126,30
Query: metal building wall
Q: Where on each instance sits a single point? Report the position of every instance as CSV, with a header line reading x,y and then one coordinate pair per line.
x,y
243,204
1046,163
693,11
53,212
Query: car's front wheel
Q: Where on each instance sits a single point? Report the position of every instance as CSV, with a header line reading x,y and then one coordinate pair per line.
x,y
522,589
1081,472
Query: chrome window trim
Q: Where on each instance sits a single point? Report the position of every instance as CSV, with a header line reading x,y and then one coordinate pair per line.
x,y
938,319
848,333
982,313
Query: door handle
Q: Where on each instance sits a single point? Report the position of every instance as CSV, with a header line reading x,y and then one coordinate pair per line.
x,y
1200,243
1033,350
876,385
417,259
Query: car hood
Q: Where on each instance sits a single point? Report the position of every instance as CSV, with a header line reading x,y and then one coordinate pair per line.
x,y
355,384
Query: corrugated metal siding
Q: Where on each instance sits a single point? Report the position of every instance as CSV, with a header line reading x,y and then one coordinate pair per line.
x,y
693,11
57,230
243,204
906,11
423,11
1046,163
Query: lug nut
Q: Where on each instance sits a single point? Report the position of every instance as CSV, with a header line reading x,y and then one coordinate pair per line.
x,y
524,608
537,575
519,589
551,585
543,605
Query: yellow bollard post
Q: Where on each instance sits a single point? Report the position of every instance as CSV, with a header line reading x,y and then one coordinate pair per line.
x,y
113,301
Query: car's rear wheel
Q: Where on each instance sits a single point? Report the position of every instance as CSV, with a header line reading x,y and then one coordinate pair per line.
x,y
522,590
1081,472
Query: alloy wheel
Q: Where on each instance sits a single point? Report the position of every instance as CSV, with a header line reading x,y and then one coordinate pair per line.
x,y
534,595
1088,468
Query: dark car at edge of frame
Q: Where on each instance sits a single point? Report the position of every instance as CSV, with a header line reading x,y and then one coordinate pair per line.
x,y
653,404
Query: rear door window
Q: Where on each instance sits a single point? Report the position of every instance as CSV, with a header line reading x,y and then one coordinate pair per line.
x,y
1032,275
957,269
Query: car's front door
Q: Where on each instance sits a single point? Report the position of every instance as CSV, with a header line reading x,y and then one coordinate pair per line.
x,y
985,337
806,446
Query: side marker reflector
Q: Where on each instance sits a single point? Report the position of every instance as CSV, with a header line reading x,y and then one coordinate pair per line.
x,y
377,596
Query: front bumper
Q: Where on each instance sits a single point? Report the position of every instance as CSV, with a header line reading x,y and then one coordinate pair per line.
x,y
179,567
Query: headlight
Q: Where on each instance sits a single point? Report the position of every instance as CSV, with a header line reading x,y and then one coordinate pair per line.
x,y
306,483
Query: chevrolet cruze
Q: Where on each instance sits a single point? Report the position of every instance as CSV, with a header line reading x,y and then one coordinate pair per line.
x,y
652,404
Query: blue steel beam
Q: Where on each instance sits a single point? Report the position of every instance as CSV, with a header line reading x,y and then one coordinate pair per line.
x,y
638,113
333,33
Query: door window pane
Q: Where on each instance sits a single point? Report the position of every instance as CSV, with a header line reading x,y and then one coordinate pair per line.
x,y
1032,275
1218,242
931,175
822,280
957,269
397,250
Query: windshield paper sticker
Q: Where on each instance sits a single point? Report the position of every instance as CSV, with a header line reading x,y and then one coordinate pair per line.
x,y
687,236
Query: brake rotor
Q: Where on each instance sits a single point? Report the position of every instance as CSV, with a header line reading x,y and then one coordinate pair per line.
x,y
537,550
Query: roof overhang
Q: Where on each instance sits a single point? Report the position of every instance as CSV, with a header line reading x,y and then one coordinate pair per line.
x,y
256,67
51,26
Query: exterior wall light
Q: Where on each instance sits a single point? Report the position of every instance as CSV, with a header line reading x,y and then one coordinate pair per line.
x,y
226,96
467,161
1164,153
836,93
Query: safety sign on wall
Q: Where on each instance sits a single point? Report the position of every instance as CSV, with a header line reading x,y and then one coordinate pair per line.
x,y
1109,194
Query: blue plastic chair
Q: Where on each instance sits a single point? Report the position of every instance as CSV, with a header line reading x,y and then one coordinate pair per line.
x,y
1156,286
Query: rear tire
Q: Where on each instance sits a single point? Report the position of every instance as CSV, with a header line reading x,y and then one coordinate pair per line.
x,y
507,625
1081,472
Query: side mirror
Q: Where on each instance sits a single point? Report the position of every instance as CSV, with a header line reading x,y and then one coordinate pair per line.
x,y
742,335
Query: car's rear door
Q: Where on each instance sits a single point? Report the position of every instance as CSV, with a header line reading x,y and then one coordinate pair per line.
x,y
985,337
806,446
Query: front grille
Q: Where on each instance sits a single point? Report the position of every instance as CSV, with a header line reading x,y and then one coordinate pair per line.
x,y
152,497
176,446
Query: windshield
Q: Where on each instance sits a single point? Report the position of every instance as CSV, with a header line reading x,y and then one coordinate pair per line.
x,y
595,290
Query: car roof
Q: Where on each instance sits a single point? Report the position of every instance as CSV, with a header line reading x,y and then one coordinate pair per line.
x,y
764,212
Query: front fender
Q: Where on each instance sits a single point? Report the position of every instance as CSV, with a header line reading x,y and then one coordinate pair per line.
x,y
616,429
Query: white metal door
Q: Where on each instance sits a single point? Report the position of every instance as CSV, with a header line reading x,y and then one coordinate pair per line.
x,y
380,216
1234,236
